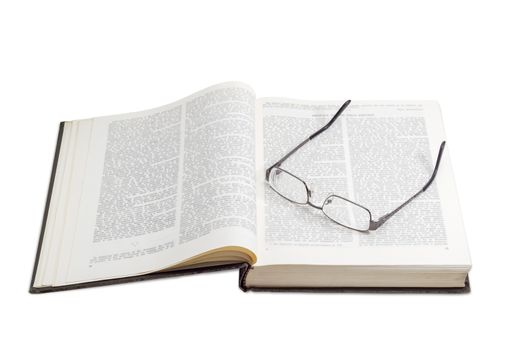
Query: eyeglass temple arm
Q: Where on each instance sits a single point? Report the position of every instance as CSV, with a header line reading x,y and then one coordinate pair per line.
x,y
311,137
376,224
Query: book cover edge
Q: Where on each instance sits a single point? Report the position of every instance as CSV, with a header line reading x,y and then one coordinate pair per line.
x,y
48,202
145,277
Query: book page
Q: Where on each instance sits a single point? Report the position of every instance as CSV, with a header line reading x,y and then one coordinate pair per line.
x,y
158,187
377,154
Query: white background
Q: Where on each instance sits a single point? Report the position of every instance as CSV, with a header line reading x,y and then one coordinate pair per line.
x,y
63,61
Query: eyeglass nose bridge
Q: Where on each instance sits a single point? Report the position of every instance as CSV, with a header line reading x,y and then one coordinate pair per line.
x,y
309,200
314,206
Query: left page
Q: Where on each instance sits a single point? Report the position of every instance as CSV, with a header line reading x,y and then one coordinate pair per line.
x,y
144,191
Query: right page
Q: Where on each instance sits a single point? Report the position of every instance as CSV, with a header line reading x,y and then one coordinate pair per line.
x,y
377,154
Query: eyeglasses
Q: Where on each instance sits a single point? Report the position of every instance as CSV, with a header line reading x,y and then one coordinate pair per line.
x,y
340,210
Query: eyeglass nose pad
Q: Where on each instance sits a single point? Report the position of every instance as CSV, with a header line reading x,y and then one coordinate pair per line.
x,y
310,193
314,190
328,199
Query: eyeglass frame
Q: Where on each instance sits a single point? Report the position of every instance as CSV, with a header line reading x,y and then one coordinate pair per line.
x,y
373,224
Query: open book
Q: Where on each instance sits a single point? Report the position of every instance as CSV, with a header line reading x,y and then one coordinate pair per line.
x,y
181,188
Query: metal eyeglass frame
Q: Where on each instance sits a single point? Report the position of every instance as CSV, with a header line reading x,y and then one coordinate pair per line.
x,y
373,224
